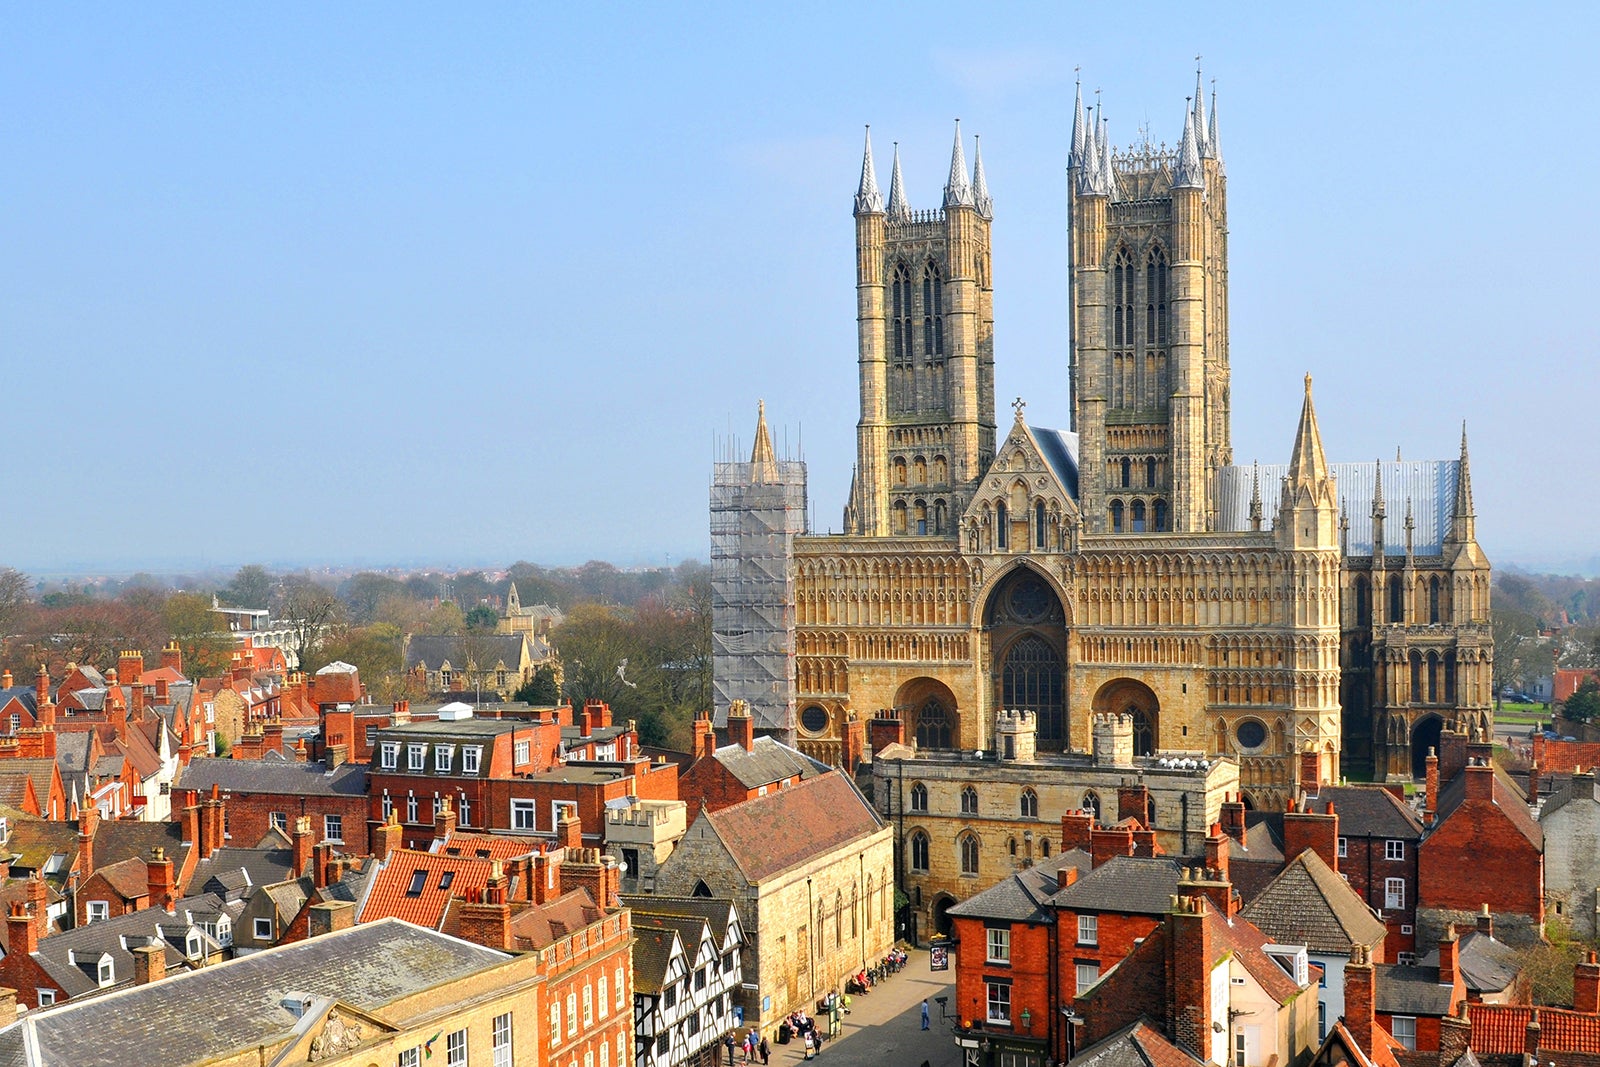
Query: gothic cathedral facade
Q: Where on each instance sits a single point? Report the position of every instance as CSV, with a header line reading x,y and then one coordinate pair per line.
x,y
1126,564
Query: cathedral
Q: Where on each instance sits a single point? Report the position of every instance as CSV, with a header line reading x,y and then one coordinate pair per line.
x,y
1127,564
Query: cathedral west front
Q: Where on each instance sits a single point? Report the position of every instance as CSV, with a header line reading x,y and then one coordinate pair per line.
x,y
1127,564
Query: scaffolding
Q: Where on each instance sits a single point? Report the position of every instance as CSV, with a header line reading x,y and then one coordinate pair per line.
x,y
757,509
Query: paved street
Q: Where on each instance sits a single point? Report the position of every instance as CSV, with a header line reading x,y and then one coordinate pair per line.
x,y
883,1028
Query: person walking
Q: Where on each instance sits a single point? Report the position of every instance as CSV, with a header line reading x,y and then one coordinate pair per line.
x,y
766,1051
924,1013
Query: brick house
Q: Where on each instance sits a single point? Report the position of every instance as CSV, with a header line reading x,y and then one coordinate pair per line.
x,y
271,793
1378,850
745,768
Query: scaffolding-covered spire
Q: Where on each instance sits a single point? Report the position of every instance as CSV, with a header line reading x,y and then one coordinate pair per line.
x,y
1108,177
1378,508
980,184
869,201
1188,175
763,461
898,207
958,190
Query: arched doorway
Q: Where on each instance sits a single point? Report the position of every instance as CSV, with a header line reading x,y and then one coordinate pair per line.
x,y
942,923
929,709
1128,696
1027,630
1424,739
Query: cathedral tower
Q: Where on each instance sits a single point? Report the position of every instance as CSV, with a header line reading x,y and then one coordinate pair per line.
x,y
924,310
1150,325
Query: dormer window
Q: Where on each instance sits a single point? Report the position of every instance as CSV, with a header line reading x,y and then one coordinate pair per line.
x,y
416,757
470,755
192,946
105,974
389,758
443,757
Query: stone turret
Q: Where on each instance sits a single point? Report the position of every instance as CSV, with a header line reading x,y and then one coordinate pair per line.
x,y
1016,734
1112,732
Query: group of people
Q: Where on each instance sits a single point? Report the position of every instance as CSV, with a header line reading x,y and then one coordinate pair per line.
x,y
755,1047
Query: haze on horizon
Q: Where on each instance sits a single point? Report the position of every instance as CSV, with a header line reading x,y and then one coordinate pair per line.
x,y
380,285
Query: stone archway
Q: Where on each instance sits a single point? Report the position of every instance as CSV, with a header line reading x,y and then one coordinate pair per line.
x,y
1026,625
1424,739
929,710
942,923
1129,696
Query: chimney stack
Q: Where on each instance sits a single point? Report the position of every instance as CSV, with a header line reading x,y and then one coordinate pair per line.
x,y
1075,830
149,963
705,736
1586,985
386,838
1359,1006
1448,947
1233,818
159,879
741,727
444,820
330,917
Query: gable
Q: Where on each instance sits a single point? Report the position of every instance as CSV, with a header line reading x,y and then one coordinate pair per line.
x,y
1021,476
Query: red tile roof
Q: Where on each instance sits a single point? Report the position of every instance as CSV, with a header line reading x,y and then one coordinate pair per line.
x,y
391,896
771,834
1500,1029
488,846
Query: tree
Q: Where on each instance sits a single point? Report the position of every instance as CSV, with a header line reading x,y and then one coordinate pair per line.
x,y
1583,705
251,587
540,690
307,609
1518,648
364,593
373,650
482,617
16,593
193,625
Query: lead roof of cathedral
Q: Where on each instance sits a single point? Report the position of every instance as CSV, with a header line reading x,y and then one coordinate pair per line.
x,y
1060,450
1428,485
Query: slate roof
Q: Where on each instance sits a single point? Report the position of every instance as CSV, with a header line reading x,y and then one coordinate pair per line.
x,y
1507,797
34,841
1410,990
1124,885
1060,450
720,912
772,834
767,761
232,872
1578,787
1486,965
1369,811
124,839
1136,1045
72,751
653,949
430,650
1308,904
70,958
220,1011
1026,895
275,776
129,878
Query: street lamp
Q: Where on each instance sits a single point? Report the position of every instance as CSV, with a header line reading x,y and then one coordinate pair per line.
x,y
1027,1020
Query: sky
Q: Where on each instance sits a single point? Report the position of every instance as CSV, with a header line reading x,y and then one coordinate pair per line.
x,y
370,284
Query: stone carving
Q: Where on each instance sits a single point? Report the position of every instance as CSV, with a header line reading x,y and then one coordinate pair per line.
x,y
337,1038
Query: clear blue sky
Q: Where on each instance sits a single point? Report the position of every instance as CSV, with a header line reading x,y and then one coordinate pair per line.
x,y
466,283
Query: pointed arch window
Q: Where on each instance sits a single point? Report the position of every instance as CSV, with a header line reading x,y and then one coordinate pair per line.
x,y
1038,524
1397,600
919,852
1155,294
1030,804
919,797
1127,472
938,516
1122,281
1363,601
933,725
1150,471
932,313
969,801
1433,599
1002,527
900,313
969,853
1091,804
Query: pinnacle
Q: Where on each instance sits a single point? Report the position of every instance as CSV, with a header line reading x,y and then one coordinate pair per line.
x,y
869,201
980,184
898,207
763,461
1079,135
958,191
1308,465
1187,174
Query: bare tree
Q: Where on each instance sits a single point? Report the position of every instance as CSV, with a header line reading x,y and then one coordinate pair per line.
x,y
16,592
307,609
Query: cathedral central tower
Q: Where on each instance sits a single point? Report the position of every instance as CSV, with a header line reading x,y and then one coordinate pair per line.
x,y
1150,325
925,315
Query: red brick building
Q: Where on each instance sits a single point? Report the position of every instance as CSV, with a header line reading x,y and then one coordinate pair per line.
x,y
1378,845
259,795
745,768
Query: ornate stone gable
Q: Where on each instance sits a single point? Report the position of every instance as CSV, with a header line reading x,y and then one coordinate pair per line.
x,y
1020,502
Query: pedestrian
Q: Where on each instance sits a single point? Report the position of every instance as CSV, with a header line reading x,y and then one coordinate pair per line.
x,y
766,1051
924,1013
727,1041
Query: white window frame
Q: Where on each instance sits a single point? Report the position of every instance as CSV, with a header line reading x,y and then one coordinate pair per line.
x,y
105,973
604,1007
333,828
193,946
588,1004
557,807
1394,894
500,1040
389,756
1087,974
470,757
521,751
1088,929
46,997
455,1049
97,911
572,1014
1405,1030
1344,847
1394,850
443,757
997,945
997,1003
409,1057
524,814
256,926
416,757
278,820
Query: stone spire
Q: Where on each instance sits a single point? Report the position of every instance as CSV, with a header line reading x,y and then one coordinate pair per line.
x,y
1463,521
1379,510
1214,142
1089,165
1187,174
869,201
1079,135
899,209
958,191
1255,497
1202,138
763,462
1108,178
1308,465
980,184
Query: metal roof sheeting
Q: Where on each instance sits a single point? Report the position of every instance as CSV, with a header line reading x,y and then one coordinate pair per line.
x,y
1429,485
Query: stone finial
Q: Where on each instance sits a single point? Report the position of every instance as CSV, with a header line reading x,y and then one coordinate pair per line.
x,y
869,201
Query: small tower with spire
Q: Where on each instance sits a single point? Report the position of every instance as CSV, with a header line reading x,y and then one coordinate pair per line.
x,y
1308,516
925,320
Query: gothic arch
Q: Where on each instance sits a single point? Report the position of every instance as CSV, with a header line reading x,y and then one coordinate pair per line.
x,y
929,708
1130,696
1025,619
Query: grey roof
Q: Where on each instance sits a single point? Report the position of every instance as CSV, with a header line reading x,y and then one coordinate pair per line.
x,y
446,728
71,957
767,761
217,1012
1577,787
233,871
653,949
1486,965
1024,896
1125,885
128,839
1139,1044
274,776
431,650
1369,811
1059,449
720,912
1409,990
23,694
72,752
1308,904
1429,485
